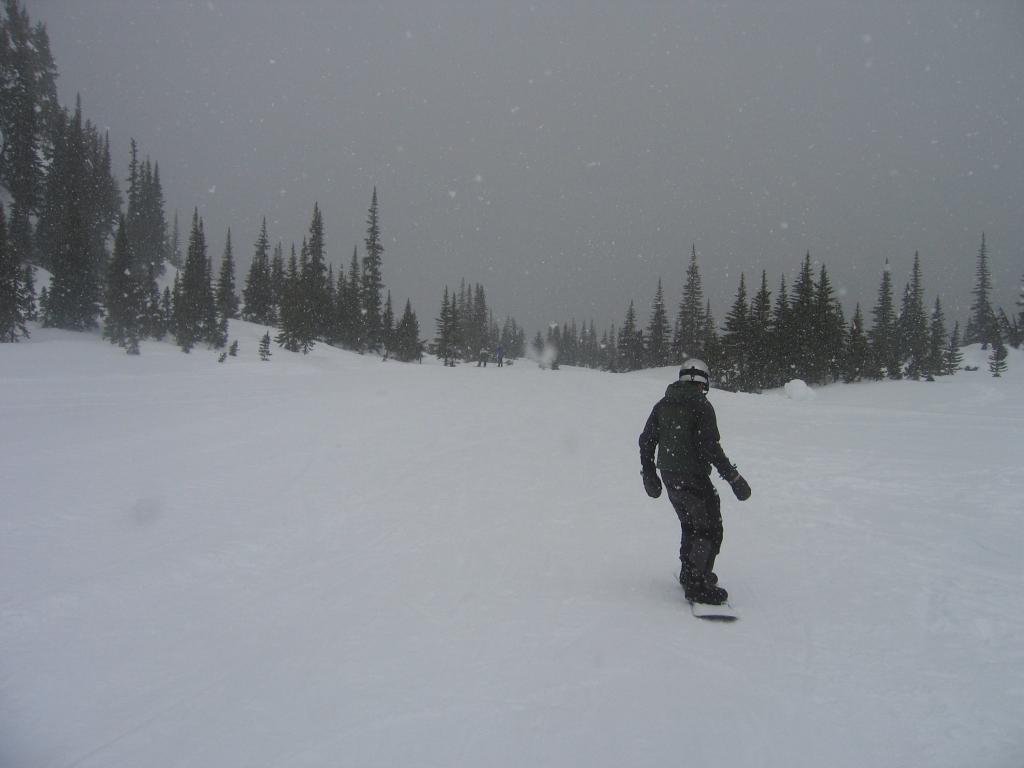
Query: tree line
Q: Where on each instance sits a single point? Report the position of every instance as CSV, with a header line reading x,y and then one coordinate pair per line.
x,y
799,331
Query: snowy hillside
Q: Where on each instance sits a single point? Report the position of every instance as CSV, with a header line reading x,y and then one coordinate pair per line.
x,y
334,561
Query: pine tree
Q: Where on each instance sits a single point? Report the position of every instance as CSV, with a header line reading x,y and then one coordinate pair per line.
x,y
732,372
125,296
195,313
291,336
446,346
631,344
12,302
780,339
913,325
953,358
227,299
804,324
74,250
316,286
174,245
265,347
997,359
935,365
981,326
408,346
759,358
884,360
258,294
388,327
658,348
830,332
373,282
688,339
858,353
711,344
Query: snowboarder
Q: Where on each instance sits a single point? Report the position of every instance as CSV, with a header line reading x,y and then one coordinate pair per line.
x,y
683,427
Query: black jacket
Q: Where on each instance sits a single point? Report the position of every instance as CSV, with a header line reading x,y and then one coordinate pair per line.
x,y
684,428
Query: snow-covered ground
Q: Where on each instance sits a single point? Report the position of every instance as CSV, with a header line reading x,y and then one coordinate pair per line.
x,y
334,561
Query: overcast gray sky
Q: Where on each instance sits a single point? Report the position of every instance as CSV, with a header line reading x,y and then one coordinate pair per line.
x,y
567,154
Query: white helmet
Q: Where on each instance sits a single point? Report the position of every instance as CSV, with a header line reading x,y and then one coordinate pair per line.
x,y
696,370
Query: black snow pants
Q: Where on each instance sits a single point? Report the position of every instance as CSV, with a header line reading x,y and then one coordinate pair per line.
x,y
700,516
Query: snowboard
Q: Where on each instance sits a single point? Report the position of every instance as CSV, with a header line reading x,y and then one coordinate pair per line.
x,y
724,613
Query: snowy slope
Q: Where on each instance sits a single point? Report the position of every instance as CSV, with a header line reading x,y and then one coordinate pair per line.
x,y
334,561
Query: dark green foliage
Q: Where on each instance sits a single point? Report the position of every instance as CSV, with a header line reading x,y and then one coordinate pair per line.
x,y
997,359
264,350
195,310
233,349
372,282
658,342
446,344
630,343
884,354
13,314
688,337
258,294
858,353
407,343
292,334
125,295
731,373
759,359
953,358
935,364
227,299
981,325
912,328
829,332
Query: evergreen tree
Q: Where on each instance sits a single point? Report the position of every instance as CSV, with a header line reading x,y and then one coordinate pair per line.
x,y
997,359
227,299
174,245
953,357
780,339
803,327
913,325
74,250
884,360
28,292
856,359
278,280
388,327
291,335
689,335
408,346
446,346
935,360
125,296
264,350
316,286
195,312
258,293
830,331
759,355
712,346
373,281
12,302
631,343
658,348
732,371
981,326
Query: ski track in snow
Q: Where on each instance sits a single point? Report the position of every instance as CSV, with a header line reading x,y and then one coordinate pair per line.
x,y
329,560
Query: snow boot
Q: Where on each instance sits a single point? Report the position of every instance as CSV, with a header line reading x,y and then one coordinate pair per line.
x,y
708,594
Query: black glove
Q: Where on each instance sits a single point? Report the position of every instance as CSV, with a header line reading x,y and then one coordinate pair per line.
x,y
652,483
740,487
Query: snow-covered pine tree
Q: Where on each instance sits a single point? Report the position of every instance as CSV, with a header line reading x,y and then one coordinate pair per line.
x,y
658,333
688,338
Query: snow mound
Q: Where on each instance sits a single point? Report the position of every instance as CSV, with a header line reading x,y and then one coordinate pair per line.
x,y
798,390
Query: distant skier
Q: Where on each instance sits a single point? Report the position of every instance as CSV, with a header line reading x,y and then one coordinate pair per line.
x,y
482,358
683,427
